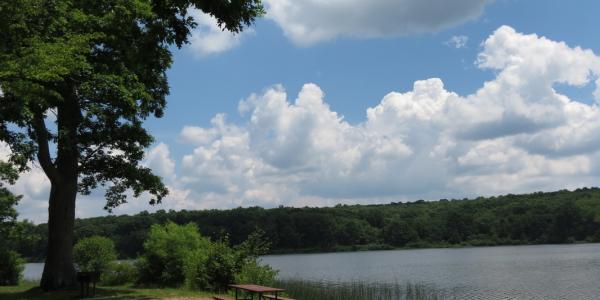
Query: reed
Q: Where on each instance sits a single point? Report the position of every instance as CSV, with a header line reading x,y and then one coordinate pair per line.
x,y
358,290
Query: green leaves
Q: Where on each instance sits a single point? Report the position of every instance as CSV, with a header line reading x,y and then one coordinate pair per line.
x,y
101,66
94,254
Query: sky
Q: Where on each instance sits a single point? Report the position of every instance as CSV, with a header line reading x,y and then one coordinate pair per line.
x,y
349,101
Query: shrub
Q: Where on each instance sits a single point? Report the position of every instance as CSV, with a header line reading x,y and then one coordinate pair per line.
x,y
220,266
119,273
195,269
11,267
94,254
253,272
165,252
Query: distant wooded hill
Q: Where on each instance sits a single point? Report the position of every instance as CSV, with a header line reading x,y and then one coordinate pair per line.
x,y
555,217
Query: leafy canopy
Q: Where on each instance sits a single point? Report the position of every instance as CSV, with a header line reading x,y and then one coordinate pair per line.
x,y
11,263
94,254
78,79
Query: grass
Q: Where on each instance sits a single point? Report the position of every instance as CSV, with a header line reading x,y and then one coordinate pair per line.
x,y
29,290
327,290
297,289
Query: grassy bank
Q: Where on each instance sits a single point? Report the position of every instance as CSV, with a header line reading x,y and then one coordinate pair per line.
x,y
326,290
299,289
30,291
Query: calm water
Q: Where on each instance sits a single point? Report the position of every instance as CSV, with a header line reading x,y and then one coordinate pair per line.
x,y
515,272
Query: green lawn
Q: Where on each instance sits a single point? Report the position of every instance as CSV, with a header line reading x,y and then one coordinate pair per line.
x,y
30,290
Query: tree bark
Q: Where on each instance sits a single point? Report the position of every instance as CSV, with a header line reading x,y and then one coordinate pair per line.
x,y
58,270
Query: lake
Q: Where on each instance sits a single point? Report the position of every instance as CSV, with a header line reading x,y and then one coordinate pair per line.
x,y
510,272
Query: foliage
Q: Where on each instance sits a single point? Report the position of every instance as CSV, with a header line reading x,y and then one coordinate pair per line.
x,y
177,254
254,272
11,263
165,251
8,213
78,79
194,266
220,266
555,217
11,267
360,290
119,273
100,68
94,254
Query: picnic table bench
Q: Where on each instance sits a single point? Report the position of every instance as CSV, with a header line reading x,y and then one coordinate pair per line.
x,y
263,292
273,297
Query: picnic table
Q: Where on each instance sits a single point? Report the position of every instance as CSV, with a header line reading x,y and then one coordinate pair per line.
x,y
258,290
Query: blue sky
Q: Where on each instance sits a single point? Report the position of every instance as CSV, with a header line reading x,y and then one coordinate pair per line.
x,y
356,73
353,103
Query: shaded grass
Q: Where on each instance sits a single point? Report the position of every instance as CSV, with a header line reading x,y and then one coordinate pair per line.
x,y
358,290
29,290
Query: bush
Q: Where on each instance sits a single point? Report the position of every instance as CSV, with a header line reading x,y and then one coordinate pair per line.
x,y
254,272
11,267
119,273
220,266
195,269
165,251
211,268
94,254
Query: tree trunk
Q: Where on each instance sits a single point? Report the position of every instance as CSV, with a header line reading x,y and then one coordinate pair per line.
x,y
59,271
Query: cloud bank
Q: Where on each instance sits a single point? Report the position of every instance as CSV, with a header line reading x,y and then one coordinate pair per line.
x,y
307,22
514,134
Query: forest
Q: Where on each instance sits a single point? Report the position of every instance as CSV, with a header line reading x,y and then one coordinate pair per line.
x,y
536,218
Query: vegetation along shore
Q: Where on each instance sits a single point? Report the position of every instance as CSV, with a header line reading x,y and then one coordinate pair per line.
x,y
536,218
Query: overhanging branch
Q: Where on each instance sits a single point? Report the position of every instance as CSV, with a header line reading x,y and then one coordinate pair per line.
x,y
43,153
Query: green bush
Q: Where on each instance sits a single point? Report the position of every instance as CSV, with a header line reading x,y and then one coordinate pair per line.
x,y
94,254
253,272
195,269
119,273
221,266
11,267
178,254
165,251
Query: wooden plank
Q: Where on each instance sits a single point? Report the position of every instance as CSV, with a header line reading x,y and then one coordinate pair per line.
x,y
278,297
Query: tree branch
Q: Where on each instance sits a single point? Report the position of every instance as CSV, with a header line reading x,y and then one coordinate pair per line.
x,y
91,153
43,153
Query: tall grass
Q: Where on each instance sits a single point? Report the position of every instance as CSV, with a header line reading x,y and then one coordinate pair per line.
x,y
358,290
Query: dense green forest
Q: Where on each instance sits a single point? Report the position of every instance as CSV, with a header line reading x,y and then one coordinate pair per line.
x,y
555,217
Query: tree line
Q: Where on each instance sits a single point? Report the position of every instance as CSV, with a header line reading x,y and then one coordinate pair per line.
x,y
536,218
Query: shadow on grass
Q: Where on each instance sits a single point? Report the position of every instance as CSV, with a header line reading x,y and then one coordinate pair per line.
x,y
101,293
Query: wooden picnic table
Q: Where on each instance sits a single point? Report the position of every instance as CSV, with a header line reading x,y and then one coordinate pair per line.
x,y
255,290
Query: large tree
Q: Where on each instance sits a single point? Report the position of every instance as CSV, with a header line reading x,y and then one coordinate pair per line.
x,y
77,79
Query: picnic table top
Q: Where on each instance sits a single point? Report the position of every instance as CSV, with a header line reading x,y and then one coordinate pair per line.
x,y
256,288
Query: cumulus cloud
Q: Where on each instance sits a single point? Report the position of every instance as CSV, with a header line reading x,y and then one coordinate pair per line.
x,y
307,22
208,38
514,134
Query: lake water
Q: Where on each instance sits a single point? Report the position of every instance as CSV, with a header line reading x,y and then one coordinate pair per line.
x,y
512,272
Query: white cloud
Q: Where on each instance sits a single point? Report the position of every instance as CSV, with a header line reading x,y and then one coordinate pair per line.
x,y
208,38
457,41
514,134
159,160
307,22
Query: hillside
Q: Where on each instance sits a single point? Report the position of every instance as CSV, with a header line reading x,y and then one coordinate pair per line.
x,y
555,217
